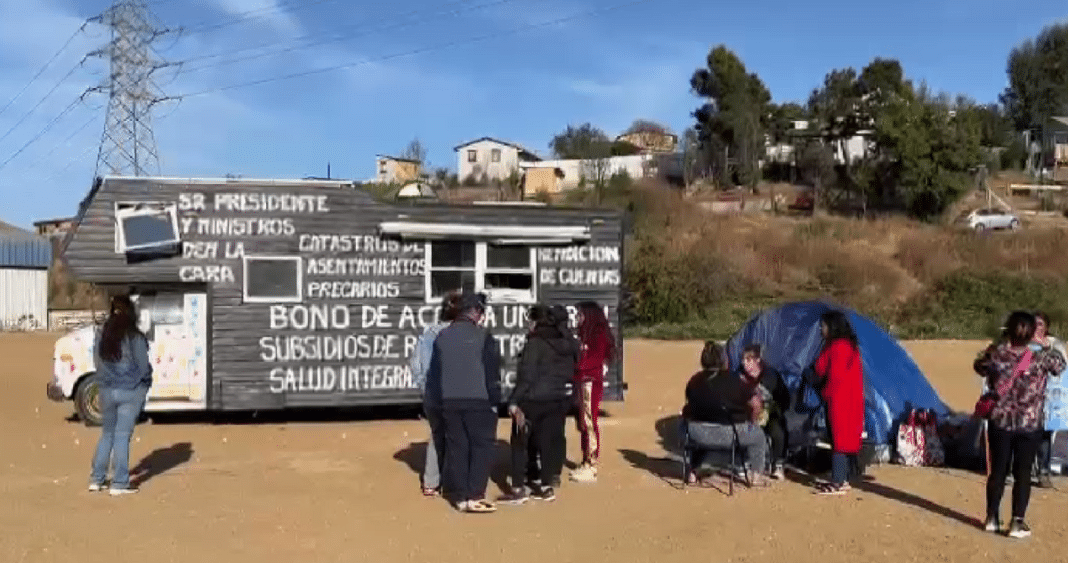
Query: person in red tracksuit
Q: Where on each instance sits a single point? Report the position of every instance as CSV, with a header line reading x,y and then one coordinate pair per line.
x,y
598,348
840,376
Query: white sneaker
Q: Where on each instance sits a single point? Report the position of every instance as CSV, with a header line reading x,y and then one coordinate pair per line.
x,y
123,491
96,487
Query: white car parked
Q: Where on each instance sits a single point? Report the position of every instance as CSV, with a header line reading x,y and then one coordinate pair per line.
x,y
990,219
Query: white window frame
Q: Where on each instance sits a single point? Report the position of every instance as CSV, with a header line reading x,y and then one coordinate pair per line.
x,y
246,298
127,209
481,269
495,155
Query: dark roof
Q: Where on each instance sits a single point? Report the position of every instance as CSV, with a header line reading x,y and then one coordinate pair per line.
x,y
52,221
20,248
398,159
518,147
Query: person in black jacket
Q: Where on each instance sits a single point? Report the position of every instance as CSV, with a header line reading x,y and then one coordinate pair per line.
x,y
465,379
720,404
539,404
776,397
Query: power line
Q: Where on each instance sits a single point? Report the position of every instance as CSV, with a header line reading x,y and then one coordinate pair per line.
x,y
336,38
305,37
69,138
44,130
46,96
253,14
45,67
412,52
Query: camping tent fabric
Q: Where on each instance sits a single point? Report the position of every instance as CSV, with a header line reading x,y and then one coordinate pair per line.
x,y
791,340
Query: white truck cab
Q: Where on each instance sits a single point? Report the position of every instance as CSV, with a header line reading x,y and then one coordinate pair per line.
x,y
175,325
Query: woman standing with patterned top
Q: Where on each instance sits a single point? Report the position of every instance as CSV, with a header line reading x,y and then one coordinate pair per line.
x,y
1019,376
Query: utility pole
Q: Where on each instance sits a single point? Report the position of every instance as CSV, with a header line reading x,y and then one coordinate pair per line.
x,y
128,144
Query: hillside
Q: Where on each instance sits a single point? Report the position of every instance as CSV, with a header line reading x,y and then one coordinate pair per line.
x,y
921,280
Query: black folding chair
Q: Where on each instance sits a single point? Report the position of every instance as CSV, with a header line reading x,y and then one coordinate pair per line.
x,y
688,448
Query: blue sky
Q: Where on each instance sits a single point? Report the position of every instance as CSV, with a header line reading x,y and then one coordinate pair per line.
x,y
608,68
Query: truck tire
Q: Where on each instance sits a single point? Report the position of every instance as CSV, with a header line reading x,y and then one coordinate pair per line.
x,y
1014,225
979,227
87,400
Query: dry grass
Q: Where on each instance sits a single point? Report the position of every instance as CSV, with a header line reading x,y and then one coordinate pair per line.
x,y
880,266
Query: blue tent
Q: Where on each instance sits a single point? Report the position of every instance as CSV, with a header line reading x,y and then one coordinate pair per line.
x,y
791,340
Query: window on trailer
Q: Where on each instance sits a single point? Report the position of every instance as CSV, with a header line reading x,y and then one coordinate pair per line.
x,y
509,274
273,279
145,226
504,272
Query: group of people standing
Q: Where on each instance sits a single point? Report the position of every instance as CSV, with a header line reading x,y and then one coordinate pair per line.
x,y
457,367
1017,369
748,406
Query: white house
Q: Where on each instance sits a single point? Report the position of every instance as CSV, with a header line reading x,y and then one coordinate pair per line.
x,y
492,158
636,166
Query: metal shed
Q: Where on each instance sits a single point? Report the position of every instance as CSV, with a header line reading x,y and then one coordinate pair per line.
x,y
24,262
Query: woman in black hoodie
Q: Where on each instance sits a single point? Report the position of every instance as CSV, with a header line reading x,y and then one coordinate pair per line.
x,y
539,403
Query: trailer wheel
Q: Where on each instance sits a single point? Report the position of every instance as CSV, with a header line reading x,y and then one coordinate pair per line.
x,y
87,400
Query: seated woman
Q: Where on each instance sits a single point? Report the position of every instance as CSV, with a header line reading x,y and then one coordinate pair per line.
x,y
718,404
776,397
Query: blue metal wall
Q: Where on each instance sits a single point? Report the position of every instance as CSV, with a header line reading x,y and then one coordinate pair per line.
x,y
24,250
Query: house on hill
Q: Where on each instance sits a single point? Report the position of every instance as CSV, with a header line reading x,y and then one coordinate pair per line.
x,y
492,159
651,142
394,170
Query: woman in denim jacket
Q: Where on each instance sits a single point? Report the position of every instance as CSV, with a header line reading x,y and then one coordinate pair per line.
x,y
122,363
420,365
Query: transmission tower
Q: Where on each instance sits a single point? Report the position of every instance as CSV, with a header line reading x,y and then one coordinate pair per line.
x,y
128,145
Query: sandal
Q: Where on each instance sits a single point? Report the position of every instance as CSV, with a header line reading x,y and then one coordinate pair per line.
x,y
480,507
429,492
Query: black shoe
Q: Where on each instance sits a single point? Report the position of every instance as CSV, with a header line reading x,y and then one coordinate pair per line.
x,y
993,524
516,497
546,494
1018,529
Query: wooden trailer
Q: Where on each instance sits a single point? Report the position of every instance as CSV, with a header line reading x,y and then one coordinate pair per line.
x,y
270,294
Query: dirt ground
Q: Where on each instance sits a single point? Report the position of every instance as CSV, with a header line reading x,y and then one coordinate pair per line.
x,y
346,491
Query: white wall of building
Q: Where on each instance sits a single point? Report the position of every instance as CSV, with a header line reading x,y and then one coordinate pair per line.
x,y
634,165
23,299
484,163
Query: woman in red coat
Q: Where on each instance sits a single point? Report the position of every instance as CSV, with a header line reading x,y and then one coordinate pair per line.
x,y
840,373
598,348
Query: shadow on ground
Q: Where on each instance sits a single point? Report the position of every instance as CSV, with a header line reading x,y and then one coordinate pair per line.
x,y
161,461
414,455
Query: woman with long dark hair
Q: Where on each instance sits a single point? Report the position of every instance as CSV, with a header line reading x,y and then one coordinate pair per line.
x,y
1018,376
125,372
598,347
840,378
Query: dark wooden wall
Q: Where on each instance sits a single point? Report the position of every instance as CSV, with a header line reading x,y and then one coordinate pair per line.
x,y
241,376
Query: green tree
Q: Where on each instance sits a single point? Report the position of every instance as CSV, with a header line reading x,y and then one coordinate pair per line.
x,y
1038,79
782,120
581,142
931,144
647,126
732,123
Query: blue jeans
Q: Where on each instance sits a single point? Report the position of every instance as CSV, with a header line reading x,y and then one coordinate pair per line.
x,y
120,409
840,463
